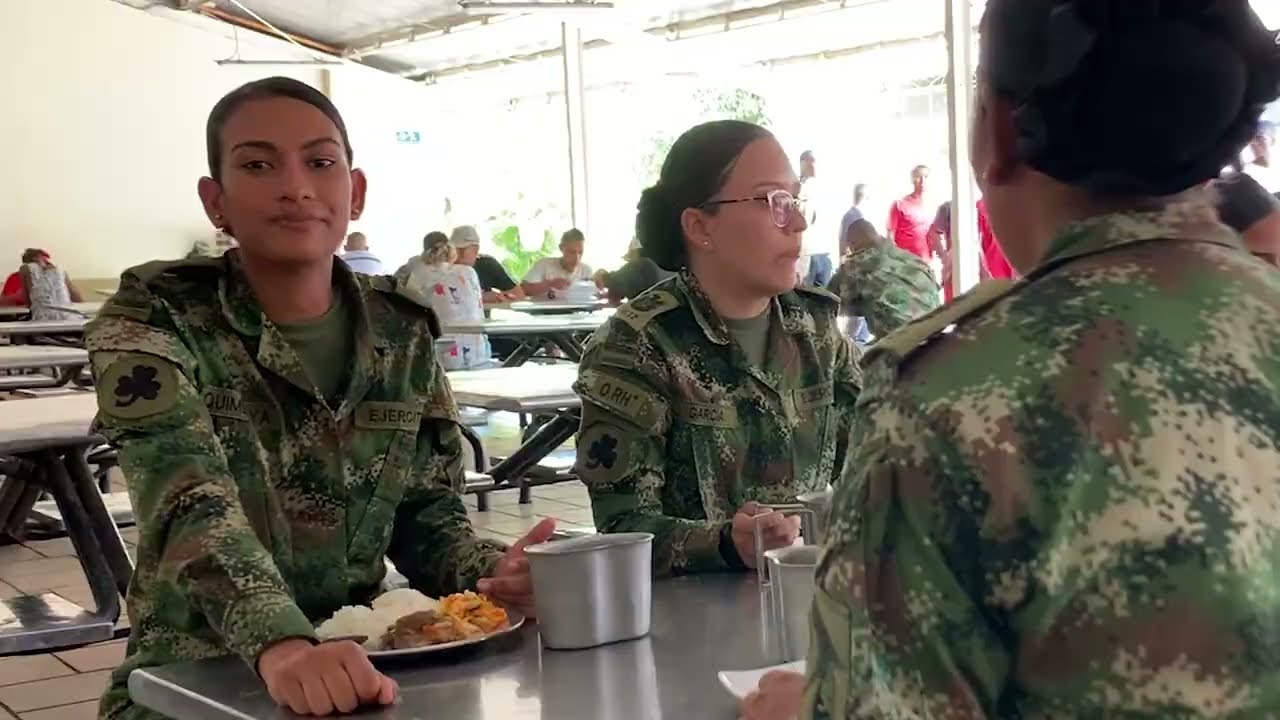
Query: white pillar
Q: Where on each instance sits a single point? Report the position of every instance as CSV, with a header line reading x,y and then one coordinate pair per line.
x,y
576,125
964,213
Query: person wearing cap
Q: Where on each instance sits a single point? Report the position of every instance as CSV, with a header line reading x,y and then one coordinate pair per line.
x,y
496,283
47,287
1064,495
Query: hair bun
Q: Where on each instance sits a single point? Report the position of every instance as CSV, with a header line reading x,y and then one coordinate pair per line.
x,y
658,229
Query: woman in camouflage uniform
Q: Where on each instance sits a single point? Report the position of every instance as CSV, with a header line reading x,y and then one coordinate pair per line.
x,y
725,386
283,422
1065,499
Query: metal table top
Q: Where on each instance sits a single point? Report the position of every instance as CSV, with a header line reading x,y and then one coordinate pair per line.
x,y
10,312
701,625
34,357
84,308
516,324
26,425
528,388
17,328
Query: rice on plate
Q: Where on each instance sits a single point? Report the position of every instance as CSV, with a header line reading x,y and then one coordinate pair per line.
x,y
373,622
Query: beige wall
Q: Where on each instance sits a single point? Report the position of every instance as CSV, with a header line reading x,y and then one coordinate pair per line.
x,y
103,124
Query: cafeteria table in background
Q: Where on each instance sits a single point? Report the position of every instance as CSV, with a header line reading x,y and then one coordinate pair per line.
x,y
20,331
541,389
86,309
533,332
43,448
20,366
701,625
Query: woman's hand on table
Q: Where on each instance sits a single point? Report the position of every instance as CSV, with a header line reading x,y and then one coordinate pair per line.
x,y
776,531
511,583
332,677
780,696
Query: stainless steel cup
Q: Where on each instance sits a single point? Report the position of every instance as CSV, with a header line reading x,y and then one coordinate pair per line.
x,y
594,590
791,586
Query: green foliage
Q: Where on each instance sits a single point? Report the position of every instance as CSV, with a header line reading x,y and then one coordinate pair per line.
x,y
735,104
517,260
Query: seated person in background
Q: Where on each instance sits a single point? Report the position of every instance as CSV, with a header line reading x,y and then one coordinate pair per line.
x,y
727,387
453,292
637,275
881,282
495,281
1246,207
284,423
47,287
551,274
357,256
1064,499
14,293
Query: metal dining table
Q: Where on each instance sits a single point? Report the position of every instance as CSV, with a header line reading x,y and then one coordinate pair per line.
x,y
23,359
43,444
535,331
543,389
701,625
33,328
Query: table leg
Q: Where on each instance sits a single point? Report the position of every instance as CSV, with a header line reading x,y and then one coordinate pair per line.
x,y
569,345
520,355
546,439
100,521
83,538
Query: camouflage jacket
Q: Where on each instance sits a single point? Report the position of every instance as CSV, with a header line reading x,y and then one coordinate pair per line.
x,y
886,285
261,509
679,430
1068,505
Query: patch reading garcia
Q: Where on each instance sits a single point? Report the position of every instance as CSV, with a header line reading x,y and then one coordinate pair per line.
x,y
604,455
388,416
137,386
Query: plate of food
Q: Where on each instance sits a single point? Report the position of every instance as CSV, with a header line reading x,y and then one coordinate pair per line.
x,y
406,622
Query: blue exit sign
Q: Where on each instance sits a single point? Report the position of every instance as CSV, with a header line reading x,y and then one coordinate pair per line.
x,y
408,137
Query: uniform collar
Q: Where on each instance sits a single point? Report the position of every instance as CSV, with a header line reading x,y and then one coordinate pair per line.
x,y
1189,221
786,309
245,315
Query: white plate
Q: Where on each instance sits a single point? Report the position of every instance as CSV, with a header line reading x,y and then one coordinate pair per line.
x,y
740,683
515,618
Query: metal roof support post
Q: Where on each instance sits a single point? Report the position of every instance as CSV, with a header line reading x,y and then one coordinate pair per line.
x,y
576,124
965,247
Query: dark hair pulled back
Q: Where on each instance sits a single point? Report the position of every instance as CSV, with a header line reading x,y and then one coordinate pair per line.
x,y
264,89
1131,97
695,169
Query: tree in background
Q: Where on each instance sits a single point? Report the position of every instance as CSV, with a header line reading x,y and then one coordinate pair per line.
x,y
515,253
735,104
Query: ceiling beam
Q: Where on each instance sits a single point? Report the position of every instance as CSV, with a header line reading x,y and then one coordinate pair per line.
x,y
669,31
250,24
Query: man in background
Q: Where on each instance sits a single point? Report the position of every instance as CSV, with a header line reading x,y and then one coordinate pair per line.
x,y
814,268
1263,165
357,256
853,214
495,282
551,274
911,217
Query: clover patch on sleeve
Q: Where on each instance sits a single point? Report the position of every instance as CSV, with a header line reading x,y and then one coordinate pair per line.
x,y
604,454
137,386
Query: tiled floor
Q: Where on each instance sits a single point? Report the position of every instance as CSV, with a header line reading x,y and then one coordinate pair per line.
x,y
66,685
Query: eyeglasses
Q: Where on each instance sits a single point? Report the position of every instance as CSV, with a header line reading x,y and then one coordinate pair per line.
x,y
781,205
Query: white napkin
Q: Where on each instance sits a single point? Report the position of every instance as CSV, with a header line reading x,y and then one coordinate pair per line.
x,y
740,683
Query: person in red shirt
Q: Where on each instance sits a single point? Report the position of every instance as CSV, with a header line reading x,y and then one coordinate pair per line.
x,y
995,266
910,218
14,292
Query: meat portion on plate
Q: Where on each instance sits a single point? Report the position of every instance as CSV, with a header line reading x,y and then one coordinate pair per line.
x,y
422,629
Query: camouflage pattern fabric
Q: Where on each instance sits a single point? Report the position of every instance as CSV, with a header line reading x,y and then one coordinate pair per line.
x,y
886,285
679,429
1067,506
261,509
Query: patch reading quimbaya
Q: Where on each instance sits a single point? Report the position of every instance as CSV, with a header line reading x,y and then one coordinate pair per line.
x,y
137,386
222,402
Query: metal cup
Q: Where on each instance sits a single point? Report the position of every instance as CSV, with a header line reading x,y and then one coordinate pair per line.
x,y
791,587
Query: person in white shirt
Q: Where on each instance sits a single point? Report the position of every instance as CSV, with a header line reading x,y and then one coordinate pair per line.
x,y
549,275
1263,167
453,292
357,256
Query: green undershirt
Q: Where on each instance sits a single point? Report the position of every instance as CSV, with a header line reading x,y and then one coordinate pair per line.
x,y
325,346
752,335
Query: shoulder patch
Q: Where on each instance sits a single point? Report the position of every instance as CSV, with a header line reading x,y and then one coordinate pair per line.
x,y
907,339
604,454
149,271
137,386
640,312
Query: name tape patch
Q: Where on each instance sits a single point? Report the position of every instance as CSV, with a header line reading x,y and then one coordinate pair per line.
x,y
819,395
374,415
716,415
